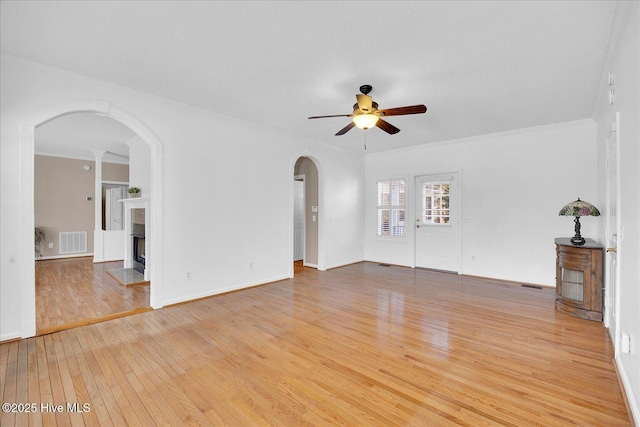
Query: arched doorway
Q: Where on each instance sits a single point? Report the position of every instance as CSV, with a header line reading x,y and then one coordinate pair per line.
x,y
84,163
307,214
27,266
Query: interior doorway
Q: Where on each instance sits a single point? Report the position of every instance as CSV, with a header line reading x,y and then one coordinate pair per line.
x,y
306,214
298,218
37,117
81,173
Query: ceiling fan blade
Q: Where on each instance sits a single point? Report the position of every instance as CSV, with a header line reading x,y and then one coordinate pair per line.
x,y
335,115
387,127
365,103
346,129
402,111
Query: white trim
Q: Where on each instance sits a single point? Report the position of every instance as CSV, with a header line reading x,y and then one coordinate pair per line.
x,y
10,336
342,264
87,158
321,208
83,255
27,266
114,182
304,218
227,289
129,204
98,235
390,207
628,390
436,176
26,263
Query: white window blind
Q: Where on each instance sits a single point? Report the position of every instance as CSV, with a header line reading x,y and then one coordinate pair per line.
x,y
391,207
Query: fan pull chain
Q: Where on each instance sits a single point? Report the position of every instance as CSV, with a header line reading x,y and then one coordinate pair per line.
x,y
365,139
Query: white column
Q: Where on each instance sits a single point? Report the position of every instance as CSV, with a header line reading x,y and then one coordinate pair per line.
x,y
98,234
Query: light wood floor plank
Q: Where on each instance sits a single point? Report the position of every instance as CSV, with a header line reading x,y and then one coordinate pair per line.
x,y
75,291
101,399
9,381
358,345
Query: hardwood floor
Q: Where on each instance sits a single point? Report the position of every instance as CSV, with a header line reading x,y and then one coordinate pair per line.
x,y
75,291
361,345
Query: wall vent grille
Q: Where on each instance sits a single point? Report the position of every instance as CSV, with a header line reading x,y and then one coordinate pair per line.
x,y
73,242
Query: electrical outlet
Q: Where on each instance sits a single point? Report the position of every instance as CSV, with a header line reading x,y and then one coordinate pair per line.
x,y
51,245
625,342
187,275
250,266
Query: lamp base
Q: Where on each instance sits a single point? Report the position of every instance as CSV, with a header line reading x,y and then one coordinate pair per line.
x,y
577,240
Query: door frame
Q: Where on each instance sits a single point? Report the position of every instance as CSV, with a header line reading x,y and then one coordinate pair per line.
x,y
27,142
301,178
322,263
613,319
413,218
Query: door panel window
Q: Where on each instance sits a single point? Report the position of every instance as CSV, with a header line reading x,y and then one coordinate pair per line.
x,y
435,203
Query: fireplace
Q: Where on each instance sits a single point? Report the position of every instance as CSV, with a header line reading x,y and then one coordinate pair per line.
x,y
138,256
136,248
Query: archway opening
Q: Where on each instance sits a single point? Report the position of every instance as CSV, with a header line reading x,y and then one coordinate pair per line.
x,y
83,165
26,250
306,214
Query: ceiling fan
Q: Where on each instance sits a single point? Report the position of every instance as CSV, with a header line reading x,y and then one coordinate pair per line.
x,y
366,114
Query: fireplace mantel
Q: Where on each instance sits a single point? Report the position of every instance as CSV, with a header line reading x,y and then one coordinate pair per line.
x,y
129,205
135,202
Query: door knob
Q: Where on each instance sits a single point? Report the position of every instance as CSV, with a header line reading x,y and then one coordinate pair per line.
x,y
612,249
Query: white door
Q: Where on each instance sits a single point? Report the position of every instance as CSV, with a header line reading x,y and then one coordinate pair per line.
x,y
298,220
611,299
114,209
438,222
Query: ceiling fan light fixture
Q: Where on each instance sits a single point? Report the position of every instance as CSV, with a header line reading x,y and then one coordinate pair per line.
x,y
365,121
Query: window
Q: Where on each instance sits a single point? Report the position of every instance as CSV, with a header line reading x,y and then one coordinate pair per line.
x,y
435,203
391,207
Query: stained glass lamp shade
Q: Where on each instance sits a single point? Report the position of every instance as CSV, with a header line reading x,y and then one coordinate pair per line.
x,y
577,209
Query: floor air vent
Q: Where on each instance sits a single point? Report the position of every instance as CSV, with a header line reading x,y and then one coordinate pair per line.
x,y
384,265
532,286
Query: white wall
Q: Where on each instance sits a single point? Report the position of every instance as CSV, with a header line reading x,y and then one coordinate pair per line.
x,y
139,166
624,61
218,215
513,185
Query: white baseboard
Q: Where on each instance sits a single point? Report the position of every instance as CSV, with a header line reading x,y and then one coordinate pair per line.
x,y
10,336
342,264
223,290
628,391
44,258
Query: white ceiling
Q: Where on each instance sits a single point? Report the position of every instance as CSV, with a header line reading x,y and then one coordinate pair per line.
x,y
479,66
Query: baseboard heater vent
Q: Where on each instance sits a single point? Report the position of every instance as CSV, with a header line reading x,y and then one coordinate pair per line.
x,y
532,286
73,242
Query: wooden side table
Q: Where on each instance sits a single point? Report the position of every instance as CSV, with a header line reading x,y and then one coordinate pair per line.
x,y
579,278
